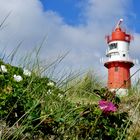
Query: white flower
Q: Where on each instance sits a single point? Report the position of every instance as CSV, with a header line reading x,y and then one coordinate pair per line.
x,y
60,95
3,69
49,92
16,114
18,78
26,72
51,84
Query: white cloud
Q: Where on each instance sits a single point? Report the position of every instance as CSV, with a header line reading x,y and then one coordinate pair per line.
x,y
135,49
86,43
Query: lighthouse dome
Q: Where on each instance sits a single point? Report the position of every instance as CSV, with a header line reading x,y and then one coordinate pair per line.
x,y
119,34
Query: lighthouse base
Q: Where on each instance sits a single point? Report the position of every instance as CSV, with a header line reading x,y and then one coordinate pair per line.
x,y
120,92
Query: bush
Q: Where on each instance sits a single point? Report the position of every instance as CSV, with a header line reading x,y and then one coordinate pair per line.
x,y
33,107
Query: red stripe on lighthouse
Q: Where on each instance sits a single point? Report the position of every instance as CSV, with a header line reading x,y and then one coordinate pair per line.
x,y
119,74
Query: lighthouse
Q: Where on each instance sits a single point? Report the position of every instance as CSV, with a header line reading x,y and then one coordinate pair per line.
x,y
118,60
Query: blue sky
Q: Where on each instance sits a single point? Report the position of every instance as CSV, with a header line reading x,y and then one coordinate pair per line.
x,y
70,11
75,26
136,9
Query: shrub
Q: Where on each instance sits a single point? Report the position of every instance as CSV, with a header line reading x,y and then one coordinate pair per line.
x,y
33,107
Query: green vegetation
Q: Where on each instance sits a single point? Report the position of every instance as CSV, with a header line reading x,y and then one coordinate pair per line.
x,y
33,106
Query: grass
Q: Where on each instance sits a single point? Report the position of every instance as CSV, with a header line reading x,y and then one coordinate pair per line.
x,y
35,91
82,89
67,110
36,107
131,104
55,115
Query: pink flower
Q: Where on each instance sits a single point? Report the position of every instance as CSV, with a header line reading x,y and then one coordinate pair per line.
x,y
107,106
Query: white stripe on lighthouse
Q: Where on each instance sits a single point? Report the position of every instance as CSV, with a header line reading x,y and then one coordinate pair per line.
x,y
118,53
120,92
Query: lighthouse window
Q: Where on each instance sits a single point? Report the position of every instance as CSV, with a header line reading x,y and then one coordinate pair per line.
x,y
123,55
113,46
116,69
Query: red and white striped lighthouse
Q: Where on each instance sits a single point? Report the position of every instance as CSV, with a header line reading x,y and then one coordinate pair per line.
x,y
119,61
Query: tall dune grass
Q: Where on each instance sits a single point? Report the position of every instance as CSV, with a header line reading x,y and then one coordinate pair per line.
x,y
32,109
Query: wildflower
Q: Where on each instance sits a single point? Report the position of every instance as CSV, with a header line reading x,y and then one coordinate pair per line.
x,y
60,95
51,84
18,78
3,69
107,106
49,92
26,72
16,114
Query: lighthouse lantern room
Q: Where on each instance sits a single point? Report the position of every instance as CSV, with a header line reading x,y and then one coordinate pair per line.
x,y
119,61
